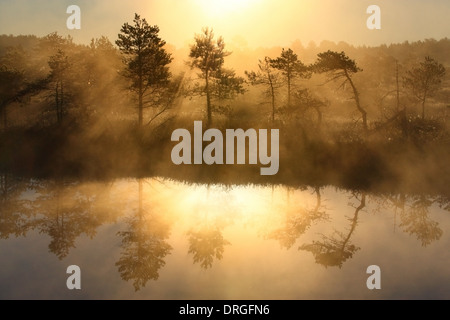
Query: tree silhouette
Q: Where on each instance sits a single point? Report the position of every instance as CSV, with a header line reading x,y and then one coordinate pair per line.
x,y
144,250
146,60
59,66
298,222
18,59
13,219
425,80
144,247
206,244
306,100
335,250
16,72
291,67
414,215
31,79
10,84
208,55
52,42
339,66
268,77
227,85
26,73
62,210
444,202
416,221
64,214
98,86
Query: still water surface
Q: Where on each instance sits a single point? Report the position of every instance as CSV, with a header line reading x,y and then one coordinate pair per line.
x,y
162,239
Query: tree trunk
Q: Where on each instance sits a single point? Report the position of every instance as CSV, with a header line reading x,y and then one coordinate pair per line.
x,y
4,117
140,91
61,104
403,119
272,92
141,108
140,103
319,116
398,90
273,105
423,106
354,220
318,200
58,115
404,123
4,184
289,89
425,93
208,100
140,198
358,104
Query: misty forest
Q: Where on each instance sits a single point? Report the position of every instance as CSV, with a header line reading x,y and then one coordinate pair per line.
x,y
353,116
372,122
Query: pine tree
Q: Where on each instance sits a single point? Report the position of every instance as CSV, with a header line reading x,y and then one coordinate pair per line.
x,y
291,67
339,66
59,66
425,80
268,77
146,60
208,55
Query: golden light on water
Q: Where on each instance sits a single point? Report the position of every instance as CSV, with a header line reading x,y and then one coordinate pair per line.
x,y
93,182
226,241
223,200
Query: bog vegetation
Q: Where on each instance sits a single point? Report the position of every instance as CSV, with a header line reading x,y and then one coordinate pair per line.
x,y
358,117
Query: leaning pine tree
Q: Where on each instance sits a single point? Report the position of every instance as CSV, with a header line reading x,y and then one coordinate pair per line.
x,y
338,66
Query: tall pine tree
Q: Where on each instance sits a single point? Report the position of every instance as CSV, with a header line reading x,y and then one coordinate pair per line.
x,y
208,55
146,60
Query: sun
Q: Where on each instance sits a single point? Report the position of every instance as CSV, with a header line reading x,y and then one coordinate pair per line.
x,y
223,8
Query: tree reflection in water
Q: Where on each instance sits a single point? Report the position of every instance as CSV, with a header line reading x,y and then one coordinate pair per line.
x,y
64,210
206,244
61,209
13,220
417,221
298,221
206,241
62,217
415,215
67,210
144,246
335,250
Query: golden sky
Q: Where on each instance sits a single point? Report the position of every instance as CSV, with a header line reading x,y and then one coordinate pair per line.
x,y
254,23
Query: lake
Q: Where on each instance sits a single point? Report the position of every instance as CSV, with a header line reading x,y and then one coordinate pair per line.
x,y
158,238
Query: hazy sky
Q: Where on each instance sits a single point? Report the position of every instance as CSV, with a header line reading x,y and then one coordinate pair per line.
x,y
246,22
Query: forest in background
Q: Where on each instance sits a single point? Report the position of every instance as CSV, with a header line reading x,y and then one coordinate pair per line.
x,y
358,117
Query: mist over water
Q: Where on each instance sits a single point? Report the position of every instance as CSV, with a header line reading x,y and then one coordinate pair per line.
x,y
158,238
358,160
